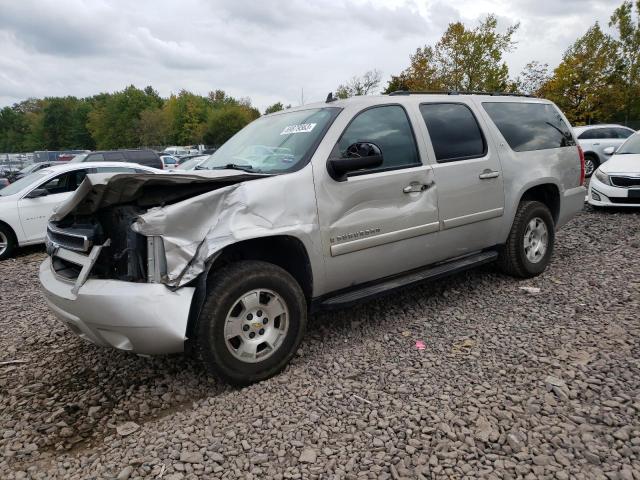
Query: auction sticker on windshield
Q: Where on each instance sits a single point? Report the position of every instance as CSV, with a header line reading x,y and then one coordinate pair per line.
x,y
301,128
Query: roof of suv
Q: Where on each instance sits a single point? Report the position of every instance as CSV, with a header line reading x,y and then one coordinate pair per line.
x,y
369,100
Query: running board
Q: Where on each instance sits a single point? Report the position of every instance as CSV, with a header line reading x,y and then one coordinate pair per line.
x,y
389,285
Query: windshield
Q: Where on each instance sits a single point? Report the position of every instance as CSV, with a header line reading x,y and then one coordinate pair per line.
x,y
78,158
192,163
632,145
24,182
29,169
274,144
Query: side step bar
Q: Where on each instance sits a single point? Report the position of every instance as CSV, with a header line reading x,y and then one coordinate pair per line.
x,y
389,285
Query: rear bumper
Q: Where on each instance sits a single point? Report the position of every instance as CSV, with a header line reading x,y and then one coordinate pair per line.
x,y
571,203
145,318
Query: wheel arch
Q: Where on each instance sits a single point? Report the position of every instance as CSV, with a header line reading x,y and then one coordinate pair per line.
x,y
11,229
546,193
594,154
285,251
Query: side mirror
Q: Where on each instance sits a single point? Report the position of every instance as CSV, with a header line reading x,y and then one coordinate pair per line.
x,y
609,150
359,156
38,192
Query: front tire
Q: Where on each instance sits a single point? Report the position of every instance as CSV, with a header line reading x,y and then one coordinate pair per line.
x,y
530,244
252,322
8,242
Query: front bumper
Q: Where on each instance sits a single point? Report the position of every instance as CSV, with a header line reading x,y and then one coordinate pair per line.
x,y
603,195
145,318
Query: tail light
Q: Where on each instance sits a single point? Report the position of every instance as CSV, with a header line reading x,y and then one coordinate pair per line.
x,y
581,153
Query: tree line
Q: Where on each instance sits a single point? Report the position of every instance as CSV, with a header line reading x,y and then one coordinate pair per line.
x,y
598,80
129,118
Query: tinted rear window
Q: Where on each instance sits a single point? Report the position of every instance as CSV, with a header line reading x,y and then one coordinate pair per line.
x,y
529,126
142,155
454,131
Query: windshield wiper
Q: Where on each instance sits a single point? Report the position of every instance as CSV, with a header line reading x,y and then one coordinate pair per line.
x,y
235,166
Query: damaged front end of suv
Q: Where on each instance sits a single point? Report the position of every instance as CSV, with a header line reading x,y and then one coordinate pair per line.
x,y
124,251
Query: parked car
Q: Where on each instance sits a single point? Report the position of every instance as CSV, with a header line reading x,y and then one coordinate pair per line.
x,y
192,163
34,167
27,204
617,182
3,182
147,158
312,208
595,139
176,151
65,157
169,162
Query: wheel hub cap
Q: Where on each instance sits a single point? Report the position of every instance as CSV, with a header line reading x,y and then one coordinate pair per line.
x,y
4,243
256,325
536,240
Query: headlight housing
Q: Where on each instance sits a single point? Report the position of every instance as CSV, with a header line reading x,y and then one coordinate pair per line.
x,y
603,177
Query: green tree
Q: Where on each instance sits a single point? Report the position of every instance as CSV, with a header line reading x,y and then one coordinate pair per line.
x,y
153,127
463,59
360,85
532,78
276,107
586,83
628,30
113,122
224,122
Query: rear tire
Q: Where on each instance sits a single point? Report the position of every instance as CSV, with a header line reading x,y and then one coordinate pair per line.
x,y
236,339
8,242
530,244
591,164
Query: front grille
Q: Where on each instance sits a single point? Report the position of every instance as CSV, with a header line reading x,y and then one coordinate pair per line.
x,y
77,239
625,200
620,181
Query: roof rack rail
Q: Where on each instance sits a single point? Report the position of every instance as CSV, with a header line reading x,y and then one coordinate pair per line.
x,y
456,92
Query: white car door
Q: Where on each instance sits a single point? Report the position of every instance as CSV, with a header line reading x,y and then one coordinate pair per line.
x,y
35,212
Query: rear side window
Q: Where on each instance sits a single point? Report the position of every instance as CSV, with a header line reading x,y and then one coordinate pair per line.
x,y
94,157
389,128
454,131
590,134
144,157
530,126
114,156
623,132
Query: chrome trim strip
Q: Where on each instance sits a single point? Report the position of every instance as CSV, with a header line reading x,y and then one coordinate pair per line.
x,y
85,241
472,218
383,238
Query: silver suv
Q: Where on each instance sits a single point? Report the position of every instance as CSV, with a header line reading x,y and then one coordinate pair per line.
x,y
312,208
598,143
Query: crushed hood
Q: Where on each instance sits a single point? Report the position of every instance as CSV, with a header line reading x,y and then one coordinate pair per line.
x,y
99,191
197,215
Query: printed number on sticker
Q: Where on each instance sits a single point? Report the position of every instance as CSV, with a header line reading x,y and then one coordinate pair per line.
x,y
302,128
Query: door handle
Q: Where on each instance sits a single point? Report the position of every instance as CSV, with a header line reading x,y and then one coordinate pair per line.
x,y
488,174
596,144
416,188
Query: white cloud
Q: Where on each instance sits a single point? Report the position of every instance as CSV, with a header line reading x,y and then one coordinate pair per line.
x,y
266,50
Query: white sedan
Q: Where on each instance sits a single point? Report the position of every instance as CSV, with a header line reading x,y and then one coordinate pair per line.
x,y
27,204
616,183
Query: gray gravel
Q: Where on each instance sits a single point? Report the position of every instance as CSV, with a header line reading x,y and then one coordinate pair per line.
x,y
513,383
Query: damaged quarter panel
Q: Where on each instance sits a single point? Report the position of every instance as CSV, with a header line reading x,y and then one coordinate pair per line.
x,y
194,230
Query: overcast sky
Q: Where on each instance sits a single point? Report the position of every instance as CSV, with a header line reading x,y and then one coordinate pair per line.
x,y
267,50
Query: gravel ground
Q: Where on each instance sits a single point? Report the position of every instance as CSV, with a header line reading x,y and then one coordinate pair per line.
x,y
512,383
